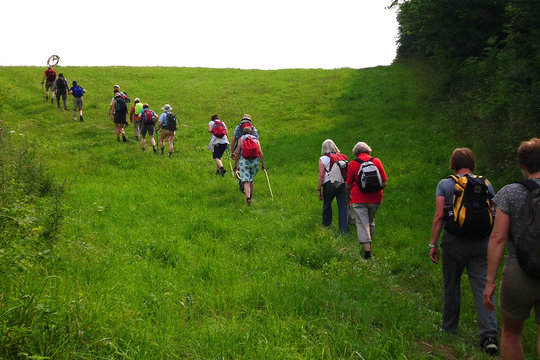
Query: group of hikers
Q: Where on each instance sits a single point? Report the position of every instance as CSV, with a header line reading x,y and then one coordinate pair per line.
x,y
478,226
58,85
246,149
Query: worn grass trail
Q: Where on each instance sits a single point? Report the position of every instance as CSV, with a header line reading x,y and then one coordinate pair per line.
x,y
159,258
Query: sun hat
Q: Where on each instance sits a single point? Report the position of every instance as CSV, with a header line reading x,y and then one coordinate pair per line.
x,y
246,117
136,100
167,107
117,86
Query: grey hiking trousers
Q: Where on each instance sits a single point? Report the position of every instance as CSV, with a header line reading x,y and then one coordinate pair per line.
x,y
459,254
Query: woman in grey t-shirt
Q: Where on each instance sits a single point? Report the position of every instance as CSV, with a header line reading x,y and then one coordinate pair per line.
x,y
519,291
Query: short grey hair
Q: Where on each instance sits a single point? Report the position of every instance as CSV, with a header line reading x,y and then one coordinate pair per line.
x,y
361,147
328,146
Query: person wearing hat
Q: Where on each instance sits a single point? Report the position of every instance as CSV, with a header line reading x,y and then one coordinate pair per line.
x,y
134,117
124,96
50,76
120,110
167,122
245,122
78,92
62,87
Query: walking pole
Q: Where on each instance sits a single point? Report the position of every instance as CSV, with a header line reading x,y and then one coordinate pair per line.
x,y
269,187
230,163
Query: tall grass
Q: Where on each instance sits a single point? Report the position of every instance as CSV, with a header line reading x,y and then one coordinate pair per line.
x,y
159,258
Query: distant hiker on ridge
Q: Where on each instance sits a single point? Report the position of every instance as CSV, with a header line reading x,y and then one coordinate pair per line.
x,y
50,76
167,122
134,113
331,184
248,153
78,93
119,107
219,141
148,120
62,88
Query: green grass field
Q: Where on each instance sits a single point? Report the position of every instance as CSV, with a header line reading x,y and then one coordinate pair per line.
x,y
158,258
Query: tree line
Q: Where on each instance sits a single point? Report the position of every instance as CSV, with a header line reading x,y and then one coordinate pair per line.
x,y
486,54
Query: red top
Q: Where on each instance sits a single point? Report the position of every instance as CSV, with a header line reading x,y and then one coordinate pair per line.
x,y
358,196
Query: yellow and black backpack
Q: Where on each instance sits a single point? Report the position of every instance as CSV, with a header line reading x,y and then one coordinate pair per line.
x,y
469,214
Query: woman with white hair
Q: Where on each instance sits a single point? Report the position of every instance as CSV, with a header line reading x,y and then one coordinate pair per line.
x,y
328,191
366,180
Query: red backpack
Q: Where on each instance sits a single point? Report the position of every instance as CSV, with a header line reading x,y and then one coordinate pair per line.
x,y
218,129
341,161
250,148
51,75
148,116
245,123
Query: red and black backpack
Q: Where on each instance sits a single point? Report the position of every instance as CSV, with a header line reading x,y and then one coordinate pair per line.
x,y
218,129
148,116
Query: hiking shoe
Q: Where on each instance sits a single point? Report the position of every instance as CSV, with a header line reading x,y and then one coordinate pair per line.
x,y
52,100
218,172
223,171
162,153
490,345
124,138
170,155
143,149
74,119
81,118
155,150
248,201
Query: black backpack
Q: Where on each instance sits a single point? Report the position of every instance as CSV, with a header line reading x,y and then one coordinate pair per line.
x,y
171,122
469,214
368,178
120,107
528,247
61,84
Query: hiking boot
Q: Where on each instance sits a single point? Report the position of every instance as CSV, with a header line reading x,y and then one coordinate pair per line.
x,y
218,172
124,138
118,139
66,109
143,149
162,153
367,255
170,155
81,118
223,171
155,150
52,100
248,201
74,119
46,98
490,345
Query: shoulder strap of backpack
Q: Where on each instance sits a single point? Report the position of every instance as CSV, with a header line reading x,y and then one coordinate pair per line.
x,y
529,184
359,161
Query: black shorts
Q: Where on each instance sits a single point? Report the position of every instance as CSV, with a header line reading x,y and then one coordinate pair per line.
x,y
120,118
219,149
147,128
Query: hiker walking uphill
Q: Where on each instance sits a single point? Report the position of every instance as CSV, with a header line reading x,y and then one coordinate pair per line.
x,y
134,118
49,77
148,119
248,154
62,88
245,122
366,180
119,114
463,208
331,184
517,226
167,122
219,141
78,92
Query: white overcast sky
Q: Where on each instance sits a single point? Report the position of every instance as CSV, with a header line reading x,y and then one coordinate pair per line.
x,y
247,34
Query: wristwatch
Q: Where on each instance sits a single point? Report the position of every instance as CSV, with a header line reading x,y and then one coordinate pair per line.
x,y
432,246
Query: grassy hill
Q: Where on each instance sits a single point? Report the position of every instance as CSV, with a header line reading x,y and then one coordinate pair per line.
x,y
132,255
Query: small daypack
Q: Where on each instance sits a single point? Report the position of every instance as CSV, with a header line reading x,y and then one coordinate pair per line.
x,y
120,107
245,123
218,129
61,84
148,116
337,169
51,75
368,177
528,247
78,91
469,214
250,148
171,122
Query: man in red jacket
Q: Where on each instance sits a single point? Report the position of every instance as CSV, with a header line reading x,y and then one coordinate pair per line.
x,y
50,76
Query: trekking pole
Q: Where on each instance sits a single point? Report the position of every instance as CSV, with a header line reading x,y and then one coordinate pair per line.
x,y
269,187
230,163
